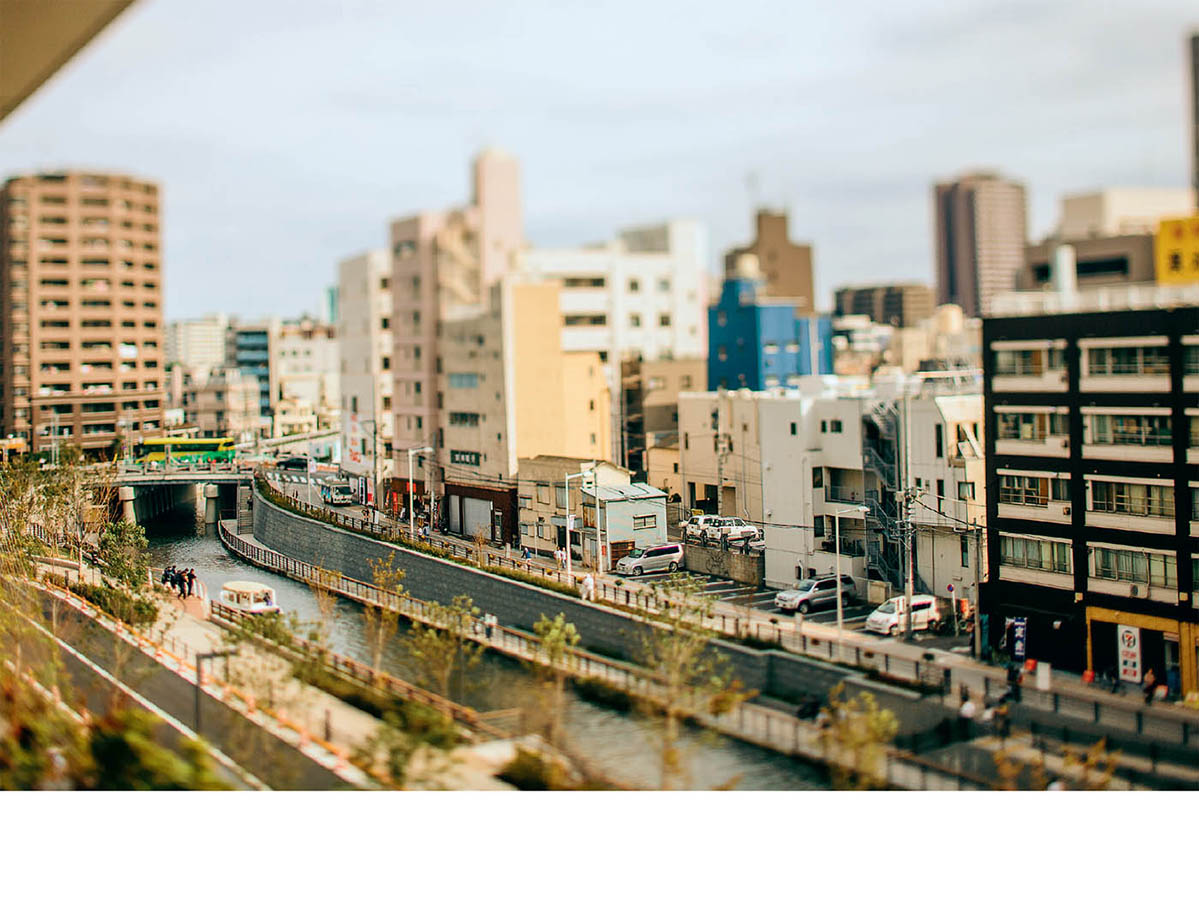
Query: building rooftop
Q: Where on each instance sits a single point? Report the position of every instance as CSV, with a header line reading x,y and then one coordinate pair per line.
x,y
617,492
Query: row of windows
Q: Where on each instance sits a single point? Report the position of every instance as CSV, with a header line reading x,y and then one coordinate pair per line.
x,y
1111,564
635,320
1100,361
1116,429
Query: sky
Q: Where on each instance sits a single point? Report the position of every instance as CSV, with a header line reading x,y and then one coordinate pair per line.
x,y
287,133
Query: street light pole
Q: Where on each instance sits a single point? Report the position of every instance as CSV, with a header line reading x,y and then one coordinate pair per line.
x,y
566,485
200,658
412,451
837,513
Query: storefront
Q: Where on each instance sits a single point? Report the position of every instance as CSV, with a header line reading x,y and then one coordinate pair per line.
x,y
1130,644
395,495
472,511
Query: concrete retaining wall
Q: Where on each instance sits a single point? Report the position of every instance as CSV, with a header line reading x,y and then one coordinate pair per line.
x,y
519,605
737,567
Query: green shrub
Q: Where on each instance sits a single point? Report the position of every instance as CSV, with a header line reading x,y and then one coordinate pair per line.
x,y
119,603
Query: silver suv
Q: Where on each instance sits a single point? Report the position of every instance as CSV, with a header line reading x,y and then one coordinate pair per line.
x,y
666,558
815,593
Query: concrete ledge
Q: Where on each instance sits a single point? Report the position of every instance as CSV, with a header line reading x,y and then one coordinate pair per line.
x,y
734,566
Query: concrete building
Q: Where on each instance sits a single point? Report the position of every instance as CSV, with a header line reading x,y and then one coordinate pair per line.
x,y
366,348
197,343
945,340
221,402
441,260
898,305
981,231
507,390
1120,259
1091,440
720,457
249,347
756,342
787,267
650,397
305,375
81,311
641,296
1118,212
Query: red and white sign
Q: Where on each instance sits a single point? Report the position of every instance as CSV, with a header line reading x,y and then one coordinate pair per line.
x,y
1128,649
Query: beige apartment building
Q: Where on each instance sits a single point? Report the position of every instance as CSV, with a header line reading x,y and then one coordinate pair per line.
x,y
981,231
221,402
81,312
506,389
900,305
650,403
787,267
542,501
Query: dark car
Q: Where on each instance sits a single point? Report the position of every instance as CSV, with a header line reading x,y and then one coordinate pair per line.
x,y
299,463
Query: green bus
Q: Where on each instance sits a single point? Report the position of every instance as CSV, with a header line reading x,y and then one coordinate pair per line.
x,y
185,450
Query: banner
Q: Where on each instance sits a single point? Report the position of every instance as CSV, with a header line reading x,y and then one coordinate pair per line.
x,y
1019,631
1128,650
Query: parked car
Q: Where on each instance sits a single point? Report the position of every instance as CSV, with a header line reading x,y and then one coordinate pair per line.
x,y
666,558
888,619
729,527
693,528
815,593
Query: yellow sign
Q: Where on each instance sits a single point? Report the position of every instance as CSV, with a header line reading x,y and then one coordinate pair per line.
x,y
1176,249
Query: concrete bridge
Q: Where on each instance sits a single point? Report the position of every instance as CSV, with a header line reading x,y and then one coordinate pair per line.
x,y
147,493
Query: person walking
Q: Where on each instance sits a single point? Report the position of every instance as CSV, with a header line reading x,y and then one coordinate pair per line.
x,y
1149,683
191,581
1013,680
167,574
966,713
588,587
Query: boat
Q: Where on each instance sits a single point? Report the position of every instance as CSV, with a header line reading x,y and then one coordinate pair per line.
x,y
252,597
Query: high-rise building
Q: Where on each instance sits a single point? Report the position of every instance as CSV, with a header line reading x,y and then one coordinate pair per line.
x,y
1092,441
305,370
442,261
786,267
197,343
981,231
80,308
250,347
901,305
364,337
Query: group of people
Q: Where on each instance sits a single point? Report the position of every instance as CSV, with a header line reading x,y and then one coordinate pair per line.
x,y
181,580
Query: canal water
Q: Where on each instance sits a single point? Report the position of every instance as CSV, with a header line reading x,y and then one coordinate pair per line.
x,y
618,743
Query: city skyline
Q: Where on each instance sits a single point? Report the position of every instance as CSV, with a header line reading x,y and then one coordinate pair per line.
x,y
246,136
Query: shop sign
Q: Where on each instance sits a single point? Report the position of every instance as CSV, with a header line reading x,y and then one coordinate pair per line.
x,y
1128,649
1019,631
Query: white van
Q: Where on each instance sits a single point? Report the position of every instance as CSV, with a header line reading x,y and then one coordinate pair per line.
x,y
666,558
887,619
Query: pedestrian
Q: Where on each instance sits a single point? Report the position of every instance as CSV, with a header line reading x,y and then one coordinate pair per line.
x,y
1149,683
966,713
1013,679
191,581
166,574
489,623
1003,721
588,587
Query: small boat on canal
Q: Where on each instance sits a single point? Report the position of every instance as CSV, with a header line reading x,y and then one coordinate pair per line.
x,y
251,597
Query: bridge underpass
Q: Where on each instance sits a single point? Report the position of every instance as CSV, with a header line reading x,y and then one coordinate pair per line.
x,y
145,502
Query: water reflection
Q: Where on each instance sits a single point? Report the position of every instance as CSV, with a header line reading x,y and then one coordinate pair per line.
x,y
619,743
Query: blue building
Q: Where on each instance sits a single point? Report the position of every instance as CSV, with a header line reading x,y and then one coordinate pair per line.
x,y
250,352
757,342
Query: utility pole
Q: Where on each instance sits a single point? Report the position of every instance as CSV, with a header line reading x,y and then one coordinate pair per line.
x,y
909,531
719,446
978,583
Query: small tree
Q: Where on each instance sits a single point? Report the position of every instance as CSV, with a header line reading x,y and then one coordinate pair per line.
x,y
321,581
123,548
558,637
692,677
443,648
856,738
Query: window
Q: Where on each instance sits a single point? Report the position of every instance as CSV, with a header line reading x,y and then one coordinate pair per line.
x,y
722,353
664,285
1128,361
818,477
584,320
1030,553
664,320
560,496
524,528
543,493
684,382
464,380
834,426
1190,359
1126,430
385,362
964,549
634,321
965,490
1030,490
583,281
939,440
645,522
770,349
1136,566
1030,426
794,428
1029,362
824,426
634,285
416,387
1132,499
465,419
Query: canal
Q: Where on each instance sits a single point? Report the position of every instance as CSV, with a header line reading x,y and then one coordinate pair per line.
x,y
619,743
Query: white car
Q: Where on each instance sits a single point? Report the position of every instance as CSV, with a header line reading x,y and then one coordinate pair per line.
x,y
888,619
693,528
731,527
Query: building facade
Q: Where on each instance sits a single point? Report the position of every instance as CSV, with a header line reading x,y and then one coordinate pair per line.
x,y
197,343
365,348
1116,212
221,402
81,310
1120,259
898,305
650,397
786,267
981,231
249,347
306,368
758,343
1092,444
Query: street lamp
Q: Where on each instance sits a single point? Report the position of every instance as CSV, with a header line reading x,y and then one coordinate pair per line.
x,y
200,659
588,476
412,451
837,514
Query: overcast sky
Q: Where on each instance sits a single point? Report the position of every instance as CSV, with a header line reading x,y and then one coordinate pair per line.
x,y
287,132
